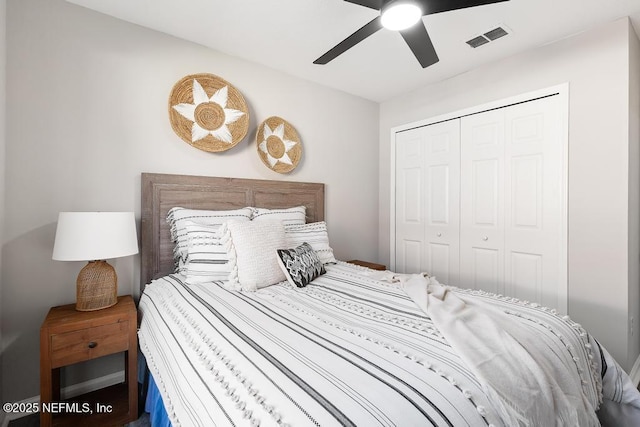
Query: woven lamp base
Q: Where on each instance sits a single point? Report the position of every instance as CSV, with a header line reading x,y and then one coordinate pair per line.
x,y
96,286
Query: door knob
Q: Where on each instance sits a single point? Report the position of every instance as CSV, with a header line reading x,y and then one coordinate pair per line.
x,y
439,234
485,238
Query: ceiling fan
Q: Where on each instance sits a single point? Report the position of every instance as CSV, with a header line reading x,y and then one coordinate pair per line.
x,y
402,16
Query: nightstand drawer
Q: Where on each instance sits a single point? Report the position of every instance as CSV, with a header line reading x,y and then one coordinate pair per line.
x,y
89,343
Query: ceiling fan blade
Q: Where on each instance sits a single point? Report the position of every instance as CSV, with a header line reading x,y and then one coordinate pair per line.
x,y
350,41
429,7
373,4
420,44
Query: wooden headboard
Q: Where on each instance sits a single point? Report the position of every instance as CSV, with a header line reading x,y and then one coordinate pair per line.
x,y
161,192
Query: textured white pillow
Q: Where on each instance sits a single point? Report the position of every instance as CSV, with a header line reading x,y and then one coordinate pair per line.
x,y
179,217
314,233
252,248
289,216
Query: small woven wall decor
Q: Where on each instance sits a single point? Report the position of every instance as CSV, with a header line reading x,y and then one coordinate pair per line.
x,y
208,112
279,145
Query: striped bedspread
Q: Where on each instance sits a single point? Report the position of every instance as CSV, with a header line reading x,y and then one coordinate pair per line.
x,y
346,350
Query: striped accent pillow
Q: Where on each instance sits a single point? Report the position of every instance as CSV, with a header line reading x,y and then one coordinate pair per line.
x,y
207,259
290,216
179,217
314,233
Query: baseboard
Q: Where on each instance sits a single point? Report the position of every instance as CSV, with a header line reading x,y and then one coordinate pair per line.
x,y
91,385
68,392
635,372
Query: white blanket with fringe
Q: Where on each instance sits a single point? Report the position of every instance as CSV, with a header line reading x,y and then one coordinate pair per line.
x,y
528,377
531,384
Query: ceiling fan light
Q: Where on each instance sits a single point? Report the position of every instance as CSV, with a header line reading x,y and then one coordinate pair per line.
x,y
400,15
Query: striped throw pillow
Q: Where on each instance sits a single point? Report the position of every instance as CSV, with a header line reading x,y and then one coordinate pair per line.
x,y
314,233
207,259
290,216
179,217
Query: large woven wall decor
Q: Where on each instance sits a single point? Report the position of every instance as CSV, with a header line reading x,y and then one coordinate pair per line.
x,y
208,112
279,145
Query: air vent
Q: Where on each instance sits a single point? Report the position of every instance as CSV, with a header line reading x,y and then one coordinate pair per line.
x,y
488,36
496,33
477,42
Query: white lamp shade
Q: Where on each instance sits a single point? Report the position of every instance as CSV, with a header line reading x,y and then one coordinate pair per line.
x,y
89,236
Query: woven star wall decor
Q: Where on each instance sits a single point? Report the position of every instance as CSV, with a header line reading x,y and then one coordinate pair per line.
x,y
208,113
278,145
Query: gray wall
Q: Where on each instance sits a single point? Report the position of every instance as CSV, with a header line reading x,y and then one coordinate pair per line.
x,y
88,113
602,245
634,194
3,45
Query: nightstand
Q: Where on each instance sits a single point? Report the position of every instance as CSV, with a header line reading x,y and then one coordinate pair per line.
x,y
371,265
68,336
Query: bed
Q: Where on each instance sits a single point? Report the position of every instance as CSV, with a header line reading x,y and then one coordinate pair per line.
x,y
351,348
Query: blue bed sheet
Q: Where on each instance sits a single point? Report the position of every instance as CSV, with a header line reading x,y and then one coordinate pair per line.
x,y
155,407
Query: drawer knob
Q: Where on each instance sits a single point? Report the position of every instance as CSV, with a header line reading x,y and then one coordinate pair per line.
x,y
93,344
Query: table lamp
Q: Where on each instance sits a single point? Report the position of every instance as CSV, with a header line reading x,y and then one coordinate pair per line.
x,y
95,237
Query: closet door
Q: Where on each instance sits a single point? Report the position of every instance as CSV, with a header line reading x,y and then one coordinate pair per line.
x,y
511,230
428,200
482,201
534,231
409,201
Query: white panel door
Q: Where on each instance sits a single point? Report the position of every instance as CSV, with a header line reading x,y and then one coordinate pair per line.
x,y
482,201
512,202
534,232
442,202
409,200
427,201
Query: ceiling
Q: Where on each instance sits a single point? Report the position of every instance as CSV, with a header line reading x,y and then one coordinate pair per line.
x,y
288,35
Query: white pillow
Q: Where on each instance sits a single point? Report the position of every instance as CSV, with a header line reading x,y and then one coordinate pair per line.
x,y
178,218
207,259
314,233
252,248
290,216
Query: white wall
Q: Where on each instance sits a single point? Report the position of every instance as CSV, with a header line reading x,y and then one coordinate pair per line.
x,y
596,66
88,113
